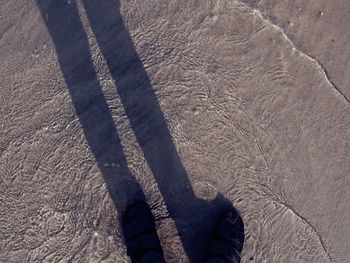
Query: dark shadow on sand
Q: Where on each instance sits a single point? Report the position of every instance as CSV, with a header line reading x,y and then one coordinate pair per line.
x,y
193,217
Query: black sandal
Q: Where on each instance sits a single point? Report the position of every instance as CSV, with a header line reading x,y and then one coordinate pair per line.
x,y
140,231
228,238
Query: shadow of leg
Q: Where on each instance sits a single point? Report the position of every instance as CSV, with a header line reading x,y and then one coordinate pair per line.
x,y
69,38
193,217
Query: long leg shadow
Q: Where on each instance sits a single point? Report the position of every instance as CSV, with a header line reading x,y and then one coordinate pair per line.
x,y
193,217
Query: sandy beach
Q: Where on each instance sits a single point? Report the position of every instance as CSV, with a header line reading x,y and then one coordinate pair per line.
x,y
197,104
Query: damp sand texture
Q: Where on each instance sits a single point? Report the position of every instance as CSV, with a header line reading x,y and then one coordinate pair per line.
x,y
196,103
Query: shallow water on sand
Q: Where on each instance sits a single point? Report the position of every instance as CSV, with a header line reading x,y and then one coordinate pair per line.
x,y
248,117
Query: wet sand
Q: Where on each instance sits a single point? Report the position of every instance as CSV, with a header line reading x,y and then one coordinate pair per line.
x,y
195,103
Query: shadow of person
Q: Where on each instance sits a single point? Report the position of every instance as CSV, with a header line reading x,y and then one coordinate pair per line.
x,y
193,217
